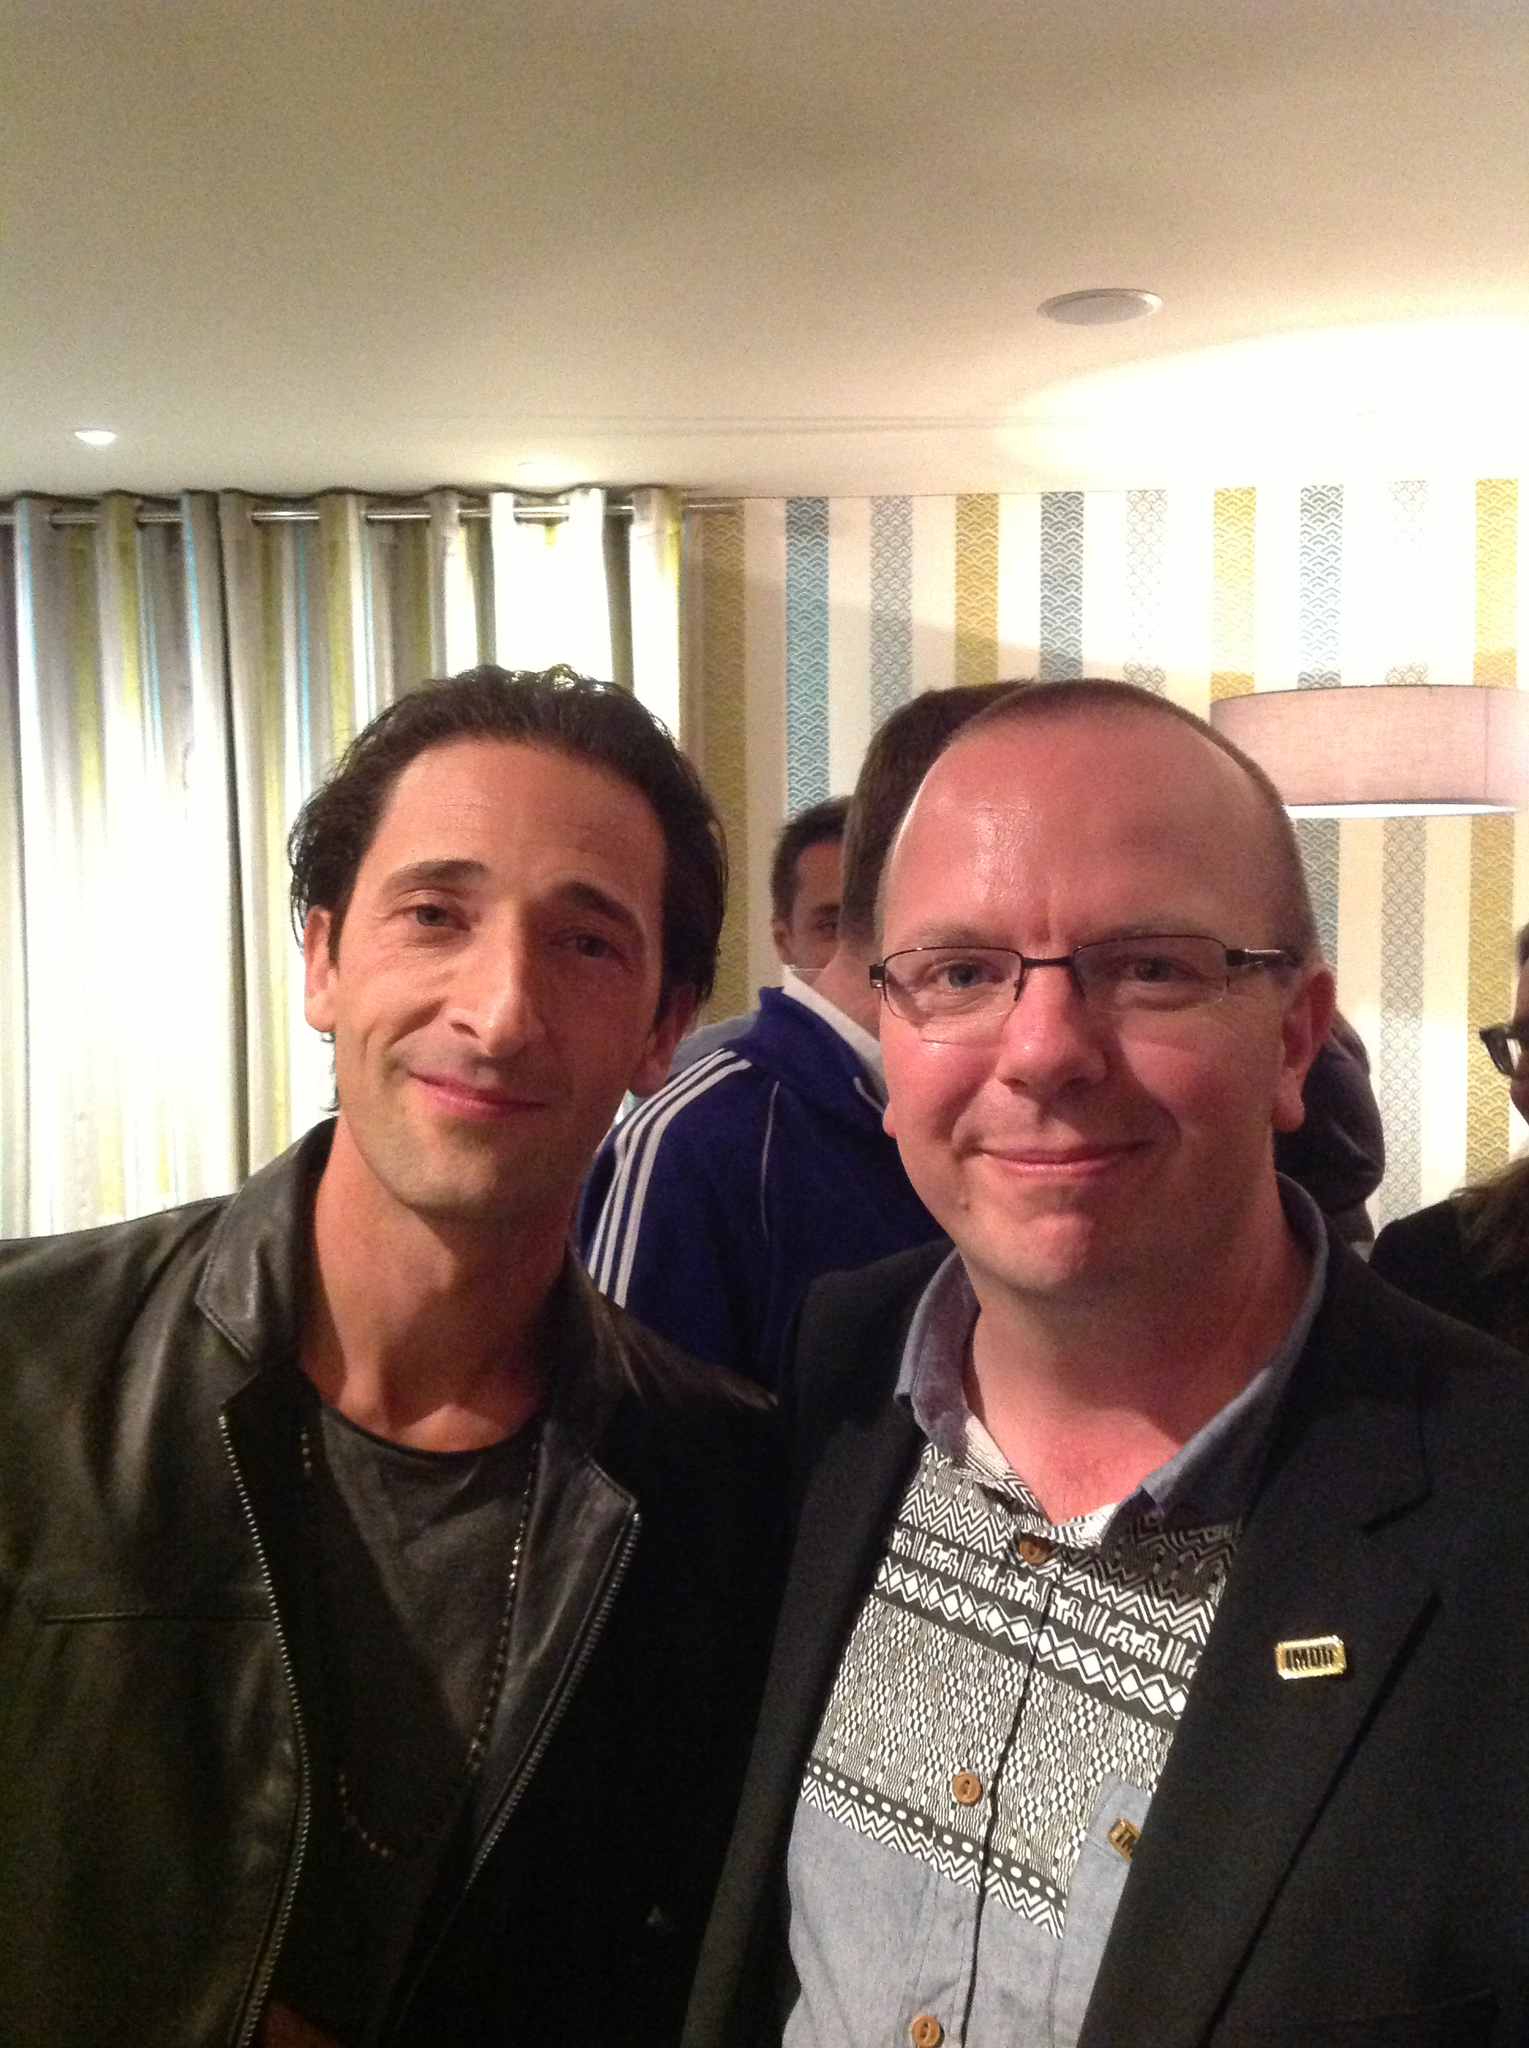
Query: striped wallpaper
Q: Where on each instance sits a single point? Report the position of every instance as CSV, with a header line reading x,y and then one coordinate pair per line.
x,y
809,619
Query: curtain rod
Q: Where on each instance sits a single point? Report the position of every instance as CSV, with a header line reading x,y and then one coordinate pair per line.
x,y
531,512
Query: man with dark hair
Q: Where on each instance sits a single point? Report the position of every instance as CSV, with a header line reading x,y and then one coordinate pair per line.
x,y
1149,1546
805,881
713,1205
369,1583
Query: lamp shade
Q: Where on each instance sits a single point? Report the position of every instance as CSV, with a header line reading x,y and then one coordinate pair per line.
x,y
1392,747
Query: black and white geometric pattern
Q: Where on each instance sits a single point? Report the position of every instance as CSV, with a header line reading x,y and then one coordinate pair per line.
x,y
1039,1678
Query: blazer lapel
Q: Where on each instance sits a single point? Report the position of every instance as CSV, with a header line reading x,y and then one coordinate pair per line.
x,y
1325,1553
849,1502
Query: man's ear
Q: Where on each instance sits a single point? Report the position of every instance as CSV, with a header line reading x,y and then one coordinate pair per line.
x,y
669,1027
1307,1019
780,934
318,971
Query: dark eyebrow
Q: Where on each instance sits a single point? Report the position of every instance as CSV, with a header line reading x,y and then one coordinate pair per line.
x,y
424,874
448,874
588,897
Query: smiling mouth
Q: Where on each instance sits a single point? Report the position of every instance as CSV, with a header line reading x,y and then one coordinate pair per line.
x,y
477,1105
1063,1163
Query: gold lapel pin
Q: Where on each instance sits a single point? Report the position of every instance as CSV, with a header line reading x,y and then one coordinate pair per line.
x,y
1311,1657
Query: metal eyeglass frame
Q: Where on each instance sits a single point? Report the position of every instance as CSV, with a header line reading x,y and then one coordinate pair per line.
x,y
1499,1039
1236,959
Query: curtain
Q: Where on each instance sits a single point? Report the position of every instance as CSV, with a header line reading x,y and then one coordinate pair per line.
x,y
175,678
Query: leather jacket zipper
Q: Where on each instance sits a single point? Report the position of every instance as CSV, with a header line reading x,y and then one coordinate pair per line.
x,y
266,1965
516,1789
571,1677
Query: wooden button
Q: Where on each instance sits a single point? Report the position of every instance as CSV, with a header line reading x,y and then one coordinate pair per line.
x,y
1033,1549
966,1788
1123,1837
926,2031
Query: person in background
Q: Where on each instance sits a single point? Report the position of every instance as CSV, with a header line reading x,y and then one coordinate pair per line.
x,y
712,1206
805,883
1338,1150
1469,1255
382,1612
1154,1649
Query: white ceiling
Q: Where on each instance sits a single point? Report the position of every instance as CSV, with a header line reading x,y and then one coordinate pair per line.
x,y
789,245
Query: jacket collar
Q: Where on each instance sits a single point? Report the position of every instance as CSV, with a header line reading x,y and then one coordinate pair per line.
x,y
256,1273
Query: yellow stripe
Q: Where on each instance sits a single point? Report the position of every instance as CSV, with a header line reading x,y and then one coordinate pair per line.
x,y
1496,662
1490,992
723,727
977,589
1232,614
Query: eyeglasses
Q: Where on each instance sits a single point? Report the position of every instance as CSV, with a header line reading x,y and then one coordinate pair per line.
x,y
1509,1046
962,995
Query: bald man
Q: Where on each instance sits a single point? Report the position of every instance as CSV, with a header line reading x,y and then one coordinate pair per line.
x,y
1152,1663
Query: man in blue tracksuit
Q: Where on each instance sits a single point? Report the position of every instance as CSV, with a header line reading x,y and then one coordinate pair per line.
x,y
713,1205
711,1209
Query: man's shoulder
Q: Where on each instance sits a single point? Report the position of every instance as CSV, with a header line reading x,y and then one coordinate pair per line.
x,y
712,1094
710,1038
674,1149
1433,1232
850,1334
96,1277
661,1376
891,1285
685,1412
1377,1350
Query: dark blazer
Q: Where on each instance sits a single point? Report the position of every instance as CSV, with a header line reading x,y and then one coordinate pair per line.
x,y
1330,1861
1425,1256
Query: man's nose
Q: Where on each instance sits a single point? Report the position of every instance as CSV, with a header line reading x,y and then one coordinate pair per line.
x,y
496,998
1050,1036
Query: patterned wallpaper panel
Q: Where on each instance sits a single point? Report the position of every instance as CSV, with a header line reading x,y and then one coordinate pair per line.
x,y
809,619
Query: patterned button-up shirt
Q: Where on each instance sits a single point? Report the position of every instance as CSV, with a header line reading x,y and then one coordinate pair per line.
x,y
1002,1714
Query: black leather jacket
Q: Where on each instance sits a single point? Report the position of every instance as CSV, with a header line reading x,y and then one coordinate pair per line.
x,y
154,1759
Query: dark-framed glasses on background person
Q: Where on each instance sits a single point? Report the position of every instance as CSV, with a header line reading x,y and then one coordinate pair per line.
x,y
1509,1046
962,995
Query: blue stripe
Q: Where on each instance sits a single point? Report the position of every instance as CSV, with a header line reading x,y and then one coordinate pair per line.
x,y
1061,649
806,652
636,1140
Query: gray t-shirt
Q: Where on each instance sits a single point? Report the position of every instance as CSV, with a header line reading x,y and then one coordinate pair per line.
x,y
408,1553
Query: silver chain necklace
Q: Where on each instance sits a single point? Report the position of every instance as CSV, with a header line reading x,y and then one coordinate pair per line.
x,y
477,1748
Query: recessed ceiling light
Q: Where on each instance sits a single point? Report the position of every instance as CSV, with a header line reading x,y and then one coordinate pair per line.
x,y
95,437
1101,308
